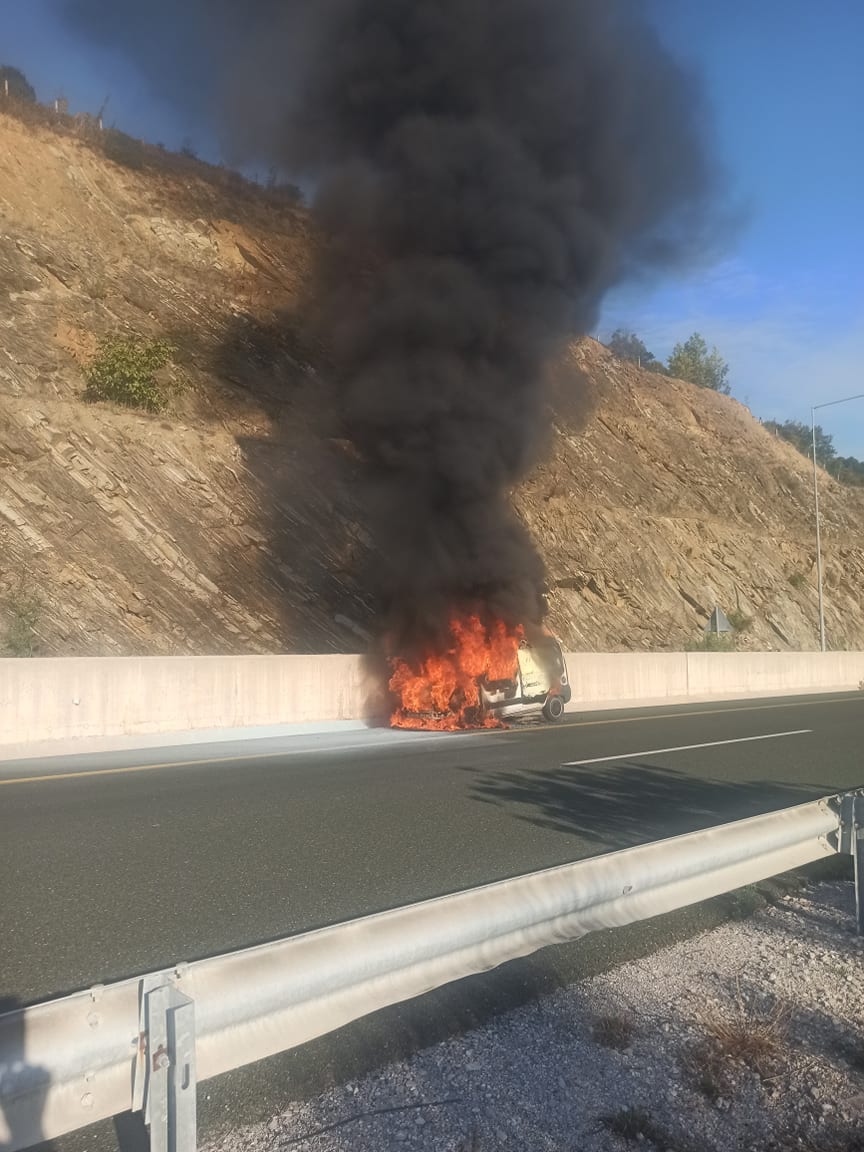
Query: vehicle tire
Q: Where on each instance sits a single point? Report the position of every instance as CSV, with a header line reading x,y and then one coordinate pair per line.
x,y
553,709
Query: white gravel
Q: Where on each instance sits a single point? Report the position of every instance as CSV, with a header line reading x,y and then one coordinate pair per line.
x,y
546,1078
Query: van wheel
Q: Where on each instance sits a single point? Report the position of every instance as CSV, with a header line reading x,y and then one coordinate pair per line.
x,y
553,709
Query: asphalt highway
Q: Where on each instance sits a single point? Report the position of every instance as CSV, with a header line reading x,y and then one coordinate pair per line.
x,y
119,863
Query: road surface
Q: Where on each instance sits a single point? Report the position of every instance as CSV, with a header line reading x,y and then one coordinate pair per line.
x,y
119,863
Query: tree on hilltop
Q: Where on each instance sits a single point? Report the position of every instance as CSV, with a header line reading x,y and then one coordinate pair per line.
x,y
692,361
626,345
849,470
19,86
800,436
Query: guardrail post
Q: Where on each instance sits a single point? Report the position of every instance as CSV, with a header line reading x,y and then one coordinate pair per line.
x,y
165,1082
851,841
858,857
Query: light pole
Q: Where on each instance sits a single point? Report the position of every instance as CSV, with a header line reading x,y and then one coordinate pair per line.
x,y
827,404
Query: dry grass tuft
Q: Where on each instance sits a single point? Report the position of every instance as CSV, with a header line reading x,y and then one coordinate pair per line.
x,y
613,1031
759,1041
838,1138
740,1037
746,1035
638,1126
708,1070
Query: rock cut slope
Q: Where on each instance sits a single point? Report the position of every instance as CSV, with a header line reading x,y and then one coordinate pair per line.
x,y
673,499
228,522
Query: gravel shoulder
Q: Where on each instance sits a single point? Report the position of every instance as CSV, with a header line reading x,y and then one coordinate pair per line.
x,y
748,1037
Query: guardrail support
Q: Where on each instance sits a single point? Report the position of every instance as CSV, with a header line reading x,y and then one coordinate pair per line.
x,y
852,842
165,1083
858,856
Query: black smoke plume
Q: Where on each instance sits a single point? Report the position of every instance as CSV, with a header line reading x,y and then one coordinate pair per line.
x,y
484,171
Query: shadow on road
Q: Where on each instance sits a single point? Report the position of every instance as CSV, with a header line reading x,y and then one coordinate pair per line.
x,y
632,803
21,1125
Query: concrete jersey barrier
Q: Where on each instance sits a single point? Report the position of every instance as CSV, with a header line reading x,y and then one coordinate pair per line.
x,y
760,672
60,704
82,698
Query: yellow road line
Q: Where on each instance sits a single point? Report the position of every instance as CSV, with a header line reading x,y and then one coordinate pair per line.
x,y
39,779
42,779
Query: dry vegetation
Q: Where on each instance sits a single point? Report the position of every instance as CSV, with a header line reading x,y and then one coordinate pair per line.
x,y
139,155
614,1031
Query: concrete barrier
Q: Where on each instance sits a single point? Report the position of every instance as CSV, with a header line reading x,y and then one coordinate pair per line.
x,y
67,705
752,673
620,677
80,699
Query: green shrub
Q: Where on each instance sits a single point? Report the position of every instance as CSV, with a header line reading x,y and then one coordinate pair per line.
x,y
124,371
739,621
713,642
797,579
23,610
96,289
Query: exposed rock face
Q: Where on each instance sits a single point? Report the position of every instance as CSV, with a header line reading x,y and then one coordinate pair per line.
x,y
227,524
673,499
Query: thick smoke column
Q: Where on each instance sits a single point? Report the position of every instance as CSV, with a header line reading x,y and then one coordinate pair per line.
x,y
485,170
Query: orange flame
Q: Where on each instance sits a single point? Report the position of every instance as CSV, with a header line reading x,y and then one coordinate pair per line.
x,y
442,691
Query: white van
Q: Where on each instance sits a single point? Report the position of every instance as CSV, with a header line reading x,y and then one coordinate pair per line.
x,y
541,685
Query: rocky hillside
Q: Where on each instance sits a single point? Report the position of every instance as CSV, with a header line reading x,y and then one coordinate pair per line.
x,y
673,499
226,523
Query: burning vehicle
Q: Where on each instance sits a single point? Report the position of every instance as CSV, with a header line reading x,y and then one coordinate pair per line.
x,y
487,673
539,685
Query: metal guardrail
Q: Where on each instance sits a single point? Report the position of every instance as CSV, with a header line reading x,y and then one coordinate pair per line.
x,y
143,1044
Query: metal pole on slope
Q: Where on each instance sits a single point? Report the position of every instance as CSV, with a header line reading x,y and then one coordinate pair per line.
x,y
827,404
818,534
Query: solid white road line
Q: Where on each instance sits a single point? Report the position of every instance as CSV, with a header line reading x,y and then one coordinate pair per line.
x,y
685,748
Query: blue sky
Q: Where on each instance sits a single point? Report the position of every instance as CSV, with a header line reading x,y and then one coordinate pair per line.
x,y
57,62
786,305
